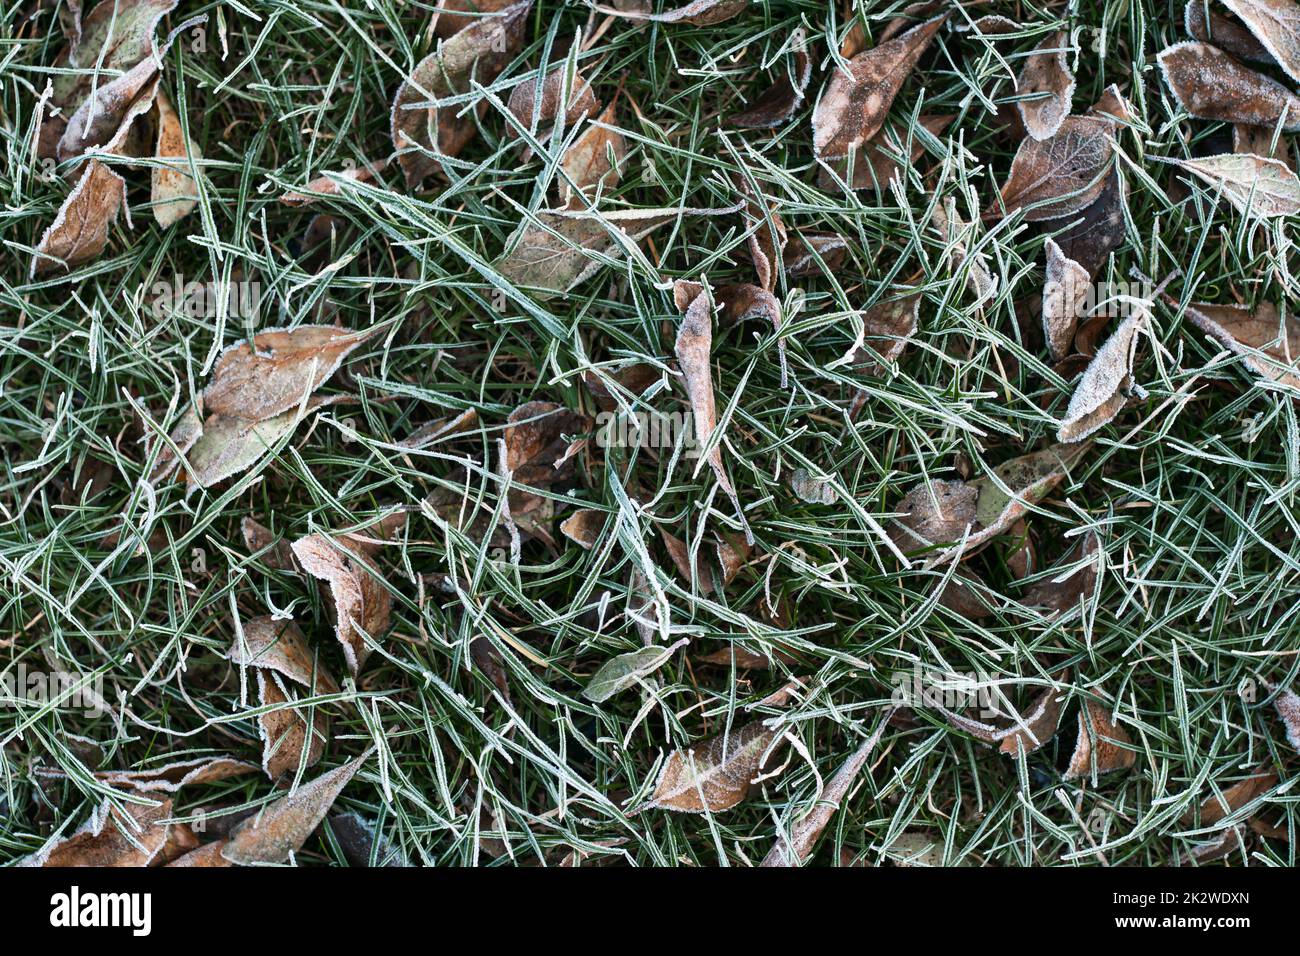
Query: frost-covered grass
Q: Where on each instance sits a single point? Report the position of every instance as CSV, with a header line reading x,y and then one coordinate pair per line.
x,y
1194,490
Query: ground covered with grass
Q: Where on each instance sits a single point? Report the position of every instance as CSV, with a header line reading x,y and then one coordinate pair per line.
x,y
1094,674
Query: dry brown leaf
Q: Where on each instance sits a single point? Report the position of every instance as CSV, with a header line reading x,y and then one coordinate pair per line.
x,y
1209,84
558,89
783,98
591,164
733,554
1250,333
1220,806
1099,229
113,38
208,855
715,774
887,327
561,249
282,827
803,250
360,843
745,659
796,849
228,446
879,162
292,737
584,526
1227,33
173,192
479,51
1106,385
939,512
132,835
693,348
362,604
455,15
279,645
700,13
1063,174
1064,595
331,184
1102,745
957,234
171,777
79,232
539,441
258,538
854,104
259,378
1046,71
1065,297
1276,24
962,596
1258,141
1031,730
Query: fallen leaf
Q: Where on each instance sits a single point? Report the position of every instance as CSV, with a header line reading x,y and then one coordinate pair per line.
x,y
561,250
275,551
331,184
1030,731
292,736
539,440
127,835
783,98
1226,33
1064,594
282,827
816,491
626,670
1251,333
591,164
208,855
584,526
455,15
272,372
939,512
480,52
1209,84
1102,746
1099,229
700,13
229,446
279,645
855,102
79,232
803,251
1255,186
715,774
1258,141
1287,704
361,844
173,192
182,773
1065,298
887,327
693,348
557,89
1106,385
880,161
362,605
796,849
1276,24
1219,807
1046,75
1063,174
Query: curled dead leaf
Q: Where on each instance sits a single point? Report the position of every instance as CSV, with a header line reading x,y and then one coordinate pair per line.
x,y
1064,593
125,835
1102,746
1065,297
1276,25
591,164
173,192
1205,23
362,605
1106,385
783,98
700,13
1268,344
1266,188
79,232
584,526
